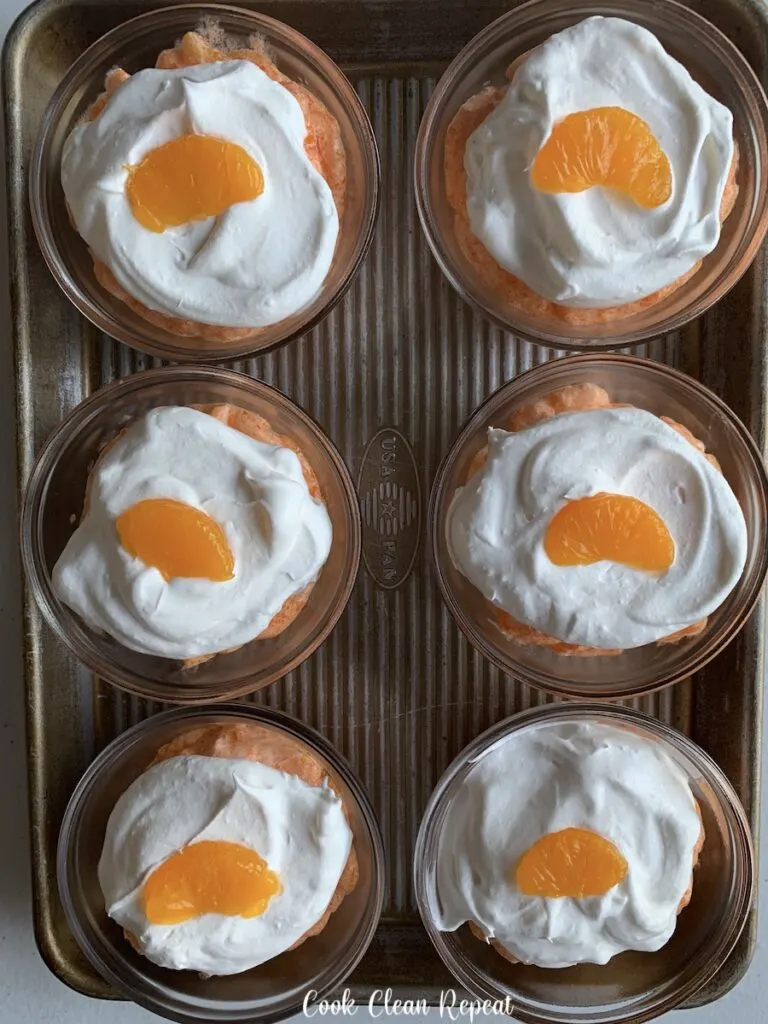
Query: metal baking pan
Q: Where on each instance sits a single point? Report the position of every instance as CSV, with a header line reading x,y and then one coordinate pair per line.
x,y
391,374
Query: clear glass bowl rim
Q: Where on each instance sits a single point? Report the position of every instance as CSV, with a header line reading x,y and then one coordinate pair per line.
x,y
269,716
728,800
523,15
170,17
517,386
33,503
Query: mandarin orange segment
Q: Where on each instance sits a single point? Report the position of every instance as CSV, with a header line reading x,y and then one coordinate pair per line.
x,y
609,527
176,539
604,146
574,862
190,178
209,877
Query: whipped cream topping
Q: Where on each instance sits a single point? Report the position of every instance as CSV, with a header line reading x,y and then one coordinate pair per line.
x,y
279,535
253,265
584,775
598,248
299,830
496,526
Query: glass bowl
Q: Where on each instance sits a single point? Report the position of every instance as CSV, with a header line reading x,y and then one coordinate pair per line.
x,y
135,45
274,990
712,60
54,502
633,986
663,391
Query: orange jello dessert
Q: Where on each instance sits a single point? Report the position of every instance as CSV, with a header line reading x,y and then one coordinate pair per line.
x,y
240,215
194,540
229,891
577,195
583,548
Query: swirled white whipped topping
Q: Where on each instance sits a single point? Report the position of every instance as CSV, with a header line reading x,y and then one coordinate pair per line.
x,y
299,830
496,526
584,775
278,535
256,263
598,248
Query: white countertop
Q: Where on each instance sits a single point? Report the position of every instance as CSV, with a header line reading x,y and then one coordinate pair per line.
x,y
28,992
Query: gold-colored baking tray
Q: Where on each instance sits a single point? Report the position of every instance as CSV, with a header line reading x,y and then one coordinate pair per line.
x,y
390,374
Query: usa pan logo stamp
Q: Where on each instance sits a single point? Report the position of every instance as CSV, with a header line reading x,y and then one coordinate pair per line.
x,y
390,505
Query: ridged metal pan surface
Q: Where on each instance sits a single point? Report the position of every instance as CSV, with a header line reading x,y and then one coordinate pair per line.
x,y
391,374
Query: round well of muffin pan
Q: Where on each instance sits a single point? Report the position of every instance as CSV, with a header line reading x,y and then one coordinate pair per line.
x,y
633,986
135,45
54,503
712,60
665,392
276,989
